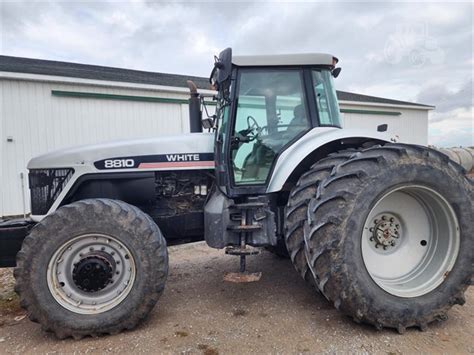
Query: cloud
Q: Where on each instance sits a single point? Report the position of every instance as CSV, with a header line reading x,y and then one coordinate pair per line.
x,y
407,51
447,98
452,123
456,128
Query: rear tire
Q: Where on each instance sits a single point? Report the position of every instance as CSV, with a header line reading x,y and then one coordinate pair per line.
x,y
296,210
338,231
92,267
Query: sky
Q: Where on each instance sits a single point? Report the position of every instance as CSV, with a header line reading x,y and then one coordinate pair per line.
x,y
419,52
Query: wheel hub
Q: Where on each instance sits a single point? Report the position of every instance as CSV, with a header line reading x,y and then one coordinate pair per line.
x,y
410,240
385,231
93,273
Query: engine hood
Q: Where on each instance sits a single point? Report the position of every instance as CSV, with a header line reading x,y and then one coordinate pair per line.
x,y
88,154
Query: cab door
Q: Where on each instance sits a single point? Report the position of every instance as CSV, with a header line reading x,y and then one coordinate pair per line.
x,y
269,112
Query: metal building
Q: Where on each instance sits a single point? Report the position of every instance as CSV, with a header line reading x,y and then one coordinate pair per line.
x,y
48,105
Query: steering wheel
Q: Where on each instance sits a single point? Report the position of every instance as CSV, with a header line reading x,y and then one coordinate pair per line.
x,y
254,125
250,133
253,129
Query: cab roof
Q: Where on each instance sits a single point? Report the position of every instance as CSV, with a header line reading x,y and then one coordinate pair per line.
x,y
285,59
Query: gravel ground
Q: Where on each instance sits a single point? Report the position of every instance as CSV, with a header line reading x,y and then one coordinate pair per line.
x,y
199,313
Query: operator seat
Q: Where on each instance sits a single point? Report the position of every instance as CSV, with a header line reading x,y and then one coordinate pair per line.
x,y
299,121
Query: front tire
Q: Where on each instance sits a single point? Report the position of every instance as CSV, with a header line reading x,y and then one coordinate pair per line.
x,y
92,267
389,237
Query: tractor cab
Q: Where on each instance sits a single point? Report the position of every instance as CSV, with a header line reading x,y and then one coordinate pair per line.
x,y
264,104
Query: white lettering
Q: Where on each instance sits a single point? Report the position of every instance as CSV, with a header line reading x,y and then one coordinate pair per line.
x,y
182,157
119,163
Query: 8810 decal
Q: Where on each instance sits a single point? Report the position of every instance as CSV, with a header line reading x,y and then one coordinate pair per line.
x,y
118,163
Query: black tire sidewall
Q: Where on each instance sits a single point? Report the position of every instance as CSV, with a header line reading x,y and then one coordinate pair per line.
x,y
293,223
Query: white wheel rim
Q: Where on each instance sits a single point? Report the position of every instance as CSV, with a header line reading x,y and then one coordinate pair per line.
x,y
62,265
410,241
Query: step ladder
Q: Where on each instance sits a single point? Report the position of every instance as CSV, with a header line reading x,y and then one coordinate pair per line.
x,y
247,226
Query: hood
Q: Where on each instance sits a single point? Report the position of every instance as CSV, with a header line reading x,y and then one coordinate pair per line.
x,y
88,154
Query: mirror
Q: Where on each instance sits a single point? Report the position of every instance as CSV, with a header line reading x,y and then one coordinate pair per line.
x,y
222,68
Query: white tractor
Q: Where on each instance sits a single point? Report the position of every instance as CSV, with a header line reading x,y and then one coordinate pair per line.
x,y
383,230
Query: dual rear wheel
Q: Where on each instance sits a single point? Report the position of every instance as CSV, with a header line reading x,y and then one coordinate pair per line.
x,y
384,233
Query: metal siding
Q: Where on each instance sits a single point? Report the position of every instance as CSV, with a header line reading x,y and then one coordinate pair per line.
x,y
40,122
410,127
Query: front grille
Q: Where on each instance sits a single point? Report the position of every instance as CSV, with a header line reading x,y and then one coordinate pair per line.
x,y
45,187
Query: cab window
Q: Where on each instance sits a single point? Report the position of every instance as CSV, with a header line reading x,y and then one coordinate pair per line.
x,y
271,112
326,99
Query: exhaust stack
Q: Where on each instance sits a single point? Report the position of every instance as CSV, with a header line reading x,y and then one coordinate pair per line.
x,y
195,113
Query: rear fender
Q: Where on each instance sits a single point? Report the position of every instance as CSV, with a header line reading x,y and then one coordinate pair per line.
x,y
316,144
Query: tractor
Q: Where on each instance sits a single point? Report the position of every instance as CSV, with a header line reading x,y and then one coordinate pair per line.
x,y
383,230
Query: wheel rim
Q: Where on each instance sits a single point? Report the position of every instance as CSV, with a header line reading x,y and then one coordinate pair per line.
x,y
91,273
410,241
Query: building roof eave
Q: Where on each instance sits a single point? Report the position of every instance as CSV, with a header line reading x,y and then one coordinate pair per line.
x,y
101,83
395,106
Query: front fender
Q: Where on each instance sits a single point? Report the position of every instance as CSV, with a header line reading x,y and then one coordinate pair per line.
x,y
315,139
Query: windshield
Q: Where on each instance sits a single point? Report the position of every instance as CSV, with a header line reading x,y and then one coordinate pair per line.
x,y
326,99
